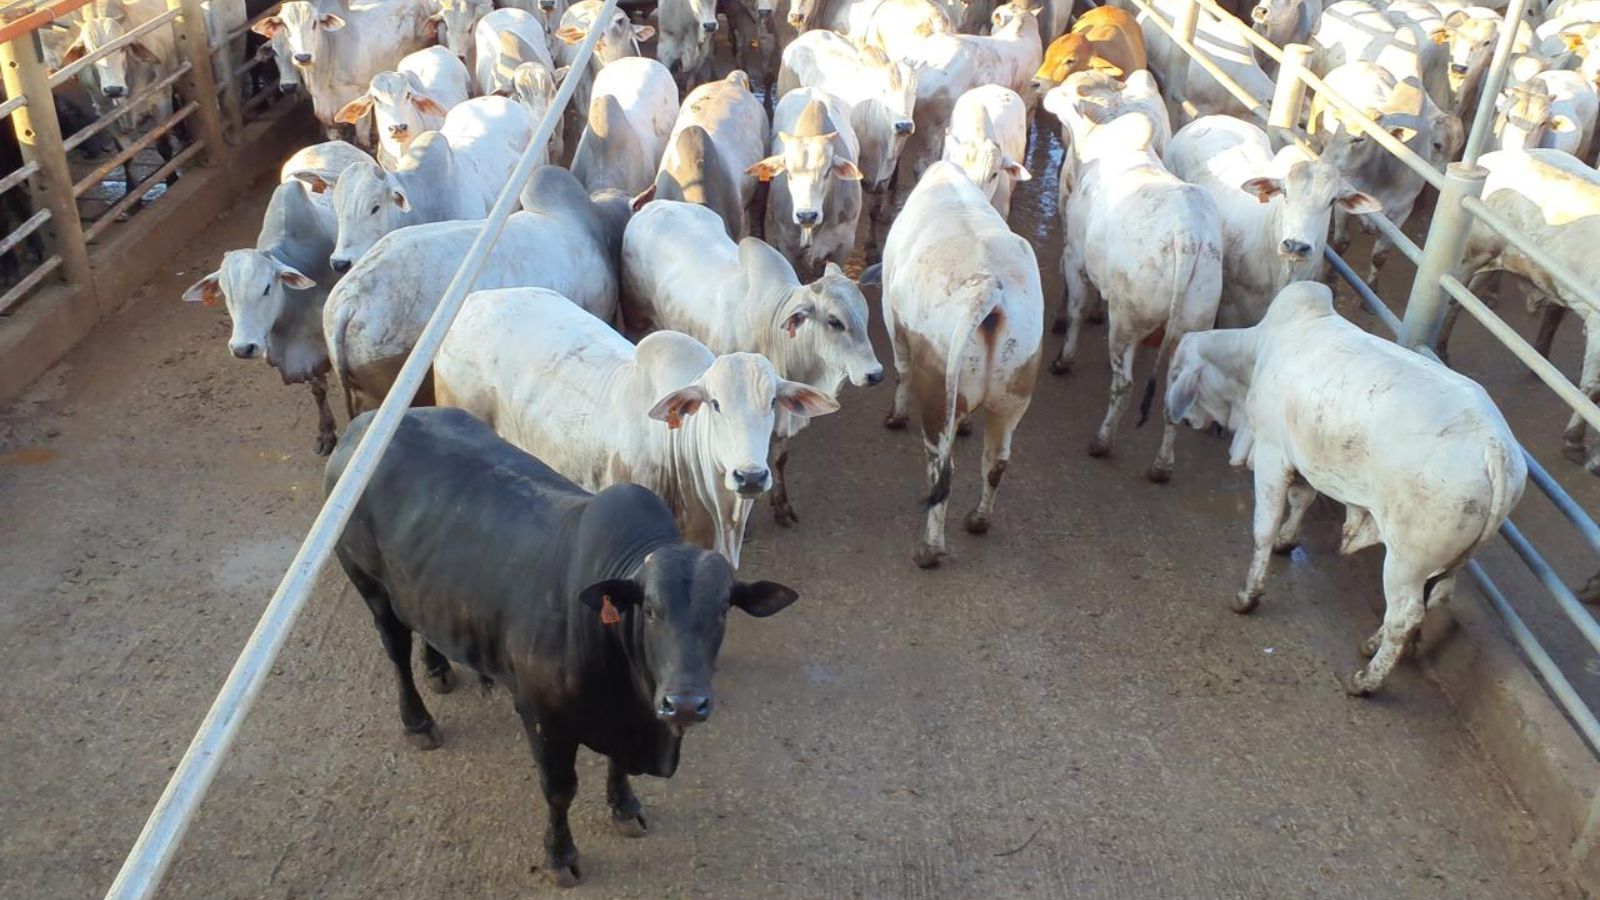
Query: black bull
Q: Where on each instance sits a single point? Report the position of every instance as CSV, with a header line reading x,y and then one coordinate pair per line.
x,y
601,622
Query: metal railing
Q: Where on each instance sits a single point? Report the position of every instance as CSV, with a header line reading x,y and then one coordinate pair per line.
x,y
141,872
1436,284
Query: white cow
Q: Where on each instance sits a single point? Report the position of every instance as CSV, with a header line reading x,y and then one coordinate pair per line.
x,y
122,73
1313,403
879,93
1396,37
1555,110
814,202
411,99
455,23
631,114
685,44
949,65
502,41
1470,35
667,414
1221,44
1137,93
1149,243
317,167
565,241
988,137
720,134
898,27
1555,199
680,271
338,48
1284,22
618,39
965,314
1274,209
451,174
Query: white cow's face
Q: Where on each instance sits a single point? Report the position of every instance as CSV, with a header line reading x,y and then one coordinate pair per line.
x,y
278,49
107,76
303,29
832,319
705,13
619,40
809,166
533,86
985,164
1525,116
1012,19
367,206
1470,42
733,404
1206,386
1271,14
255,287
400,107
1304,200
457,19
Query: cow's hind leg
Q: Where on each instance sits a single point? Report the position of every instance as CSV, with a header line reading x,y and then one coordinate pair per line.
x,y
327,429
555,755
1403,590
1272,479
897,417
419,725
782,511
1123,345
1300,497
1075,288
937,447
441,677
999,423
627,814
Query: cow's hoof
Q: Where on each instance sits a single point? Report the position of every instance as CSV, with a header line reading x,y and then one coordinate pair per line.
x,y
566,876
1575,453
1358,684
325,444
1059,366
928,557
629,825
1096,316
784,515
976,523
1244,604
1160,473
965,428
1059,326
426,737
442,681
894,422
1099,447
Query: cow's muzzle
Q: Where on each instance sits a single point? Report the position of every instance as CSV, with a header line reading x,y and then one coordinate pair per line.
x,y
547,5
1259,14
684,710
302,59
904,127
244,351
875,377
1295,249
114,91
763,14
1458,69
751,481
807,217
797,19
709,27
399,130
339,264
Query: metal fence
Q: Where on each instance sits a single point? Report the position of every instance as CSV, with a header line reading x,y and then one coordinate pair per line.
x,y
1436,284
64,193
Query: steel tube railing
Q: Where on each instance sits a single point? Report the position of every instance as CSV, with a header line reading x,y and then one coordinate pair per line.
x,y
66,72
28,283
12,105
1547,372
129,152
1256,105
122,109
1369,299
1571,282
1350,113
135,192
21,232
1255,38
1552,582
1489,91
1563,502
27,171
151,854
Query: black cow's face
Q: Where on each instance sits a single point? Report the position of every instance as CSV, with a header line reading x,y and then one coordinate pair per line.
x,y
682,594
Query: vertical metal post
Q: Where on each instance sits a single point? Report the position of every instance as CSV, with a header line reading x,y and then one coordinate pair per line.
x,y
200,84
1441,255
39,136
1185,23
1493,81
222,68
1290,92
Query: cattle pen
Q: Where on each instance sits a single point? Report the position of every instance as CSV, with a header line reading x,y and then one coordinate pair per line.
x,y
1109,645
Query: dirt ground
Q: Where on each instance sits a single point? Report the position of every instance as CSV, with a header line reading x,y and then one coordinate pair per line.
x,y
1066,709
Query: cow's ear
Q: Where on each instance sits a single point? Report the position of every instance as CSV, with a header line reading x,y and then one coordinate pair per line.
x,y
430,27
292,278
427,105
644,32
1181,395
682,402
1402,133
207,290
351,112
871,275
1358,203
330,22
1110,68
1440,35
766,169
75,52
401,200
143,54
617,594
1572,41
644,197
831,268
1016,170
1263,188
1093,113
1561,124
267,27
761,598
571,34
797,318
805,400
846,170
314,181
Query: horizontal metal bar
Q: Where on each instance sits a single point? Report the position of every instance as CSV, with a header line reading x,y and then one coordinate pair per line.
x,y
132,150
1259,41
1254,104
39,18
1369,299
264,97
10,299
61,75
21,232
1547,372
1350,113
1558,270
1542,570
1554,680
122,109
1398,238
93,229
152,852
28,170
1568,507
12,105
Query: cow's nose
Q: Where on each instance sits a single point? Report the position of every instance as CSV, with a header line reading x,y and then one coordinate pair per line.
x,y
339,264
399,130
1260,15
796,19
751,480
302,59
244,351
684,709
763,14
807,216
708,27
547,5
289,87
1292,247
1458,69
114,90
875,377
904,126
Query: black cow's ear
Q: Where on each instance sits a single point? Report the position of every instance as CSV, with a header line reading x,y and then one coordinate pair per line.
x,y
761,598
622,592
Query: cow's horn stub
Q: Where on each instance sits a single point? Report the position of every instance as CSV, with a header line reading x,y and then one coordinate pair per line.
x,y
813,120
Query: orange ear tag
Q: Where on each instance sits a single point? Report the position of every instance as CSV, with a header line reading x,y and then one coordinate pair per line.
x,y
208,299
608,613
674,418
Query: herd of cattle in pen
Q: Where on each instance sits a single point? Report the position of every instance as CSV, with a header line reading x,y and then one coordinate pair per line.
x,y
668,309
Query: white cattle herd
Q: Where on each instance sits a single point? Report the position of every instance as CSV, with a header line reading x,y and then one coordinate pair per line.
x,y
671,306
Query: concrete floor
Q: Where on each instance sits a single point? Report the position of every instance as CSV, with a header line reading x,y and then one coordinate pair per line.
x,y
1066,709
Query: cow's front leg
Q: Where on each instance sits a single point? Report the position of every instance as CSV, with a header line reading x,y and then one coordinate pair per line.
x,y
1075,291
627,814
782,510
936,444
554,753
897,417
1300,497
327,429
1272,488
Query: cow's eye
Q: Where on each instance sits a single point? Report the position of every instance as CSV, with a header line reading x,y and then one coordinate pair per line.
x,y
650,613
716,407
375,210
266,290
835,324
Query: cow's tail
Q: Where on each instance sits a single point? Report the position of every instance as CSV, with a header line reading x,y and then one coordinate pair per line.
x,y
1500,460
961,334
336,356
1184,265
